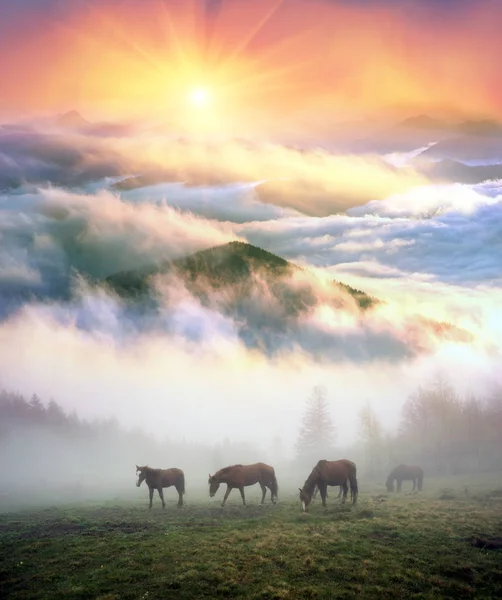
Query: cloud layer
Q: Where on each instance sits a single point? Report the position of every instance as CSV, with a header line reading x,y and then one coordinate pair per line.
x,y
429,251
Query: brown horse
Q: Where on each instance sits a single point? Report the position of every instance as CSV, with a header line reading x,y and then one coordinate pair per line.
x,y
156,479
325,473
405,473
240,476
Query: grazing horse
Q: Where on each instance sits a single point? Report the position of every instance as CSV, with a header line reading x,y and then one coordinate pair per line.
x,y
156,479
325,473
240,476
405,473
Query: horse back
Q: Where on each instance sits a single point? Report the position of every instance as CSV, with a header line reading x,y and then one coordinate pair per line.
x,y
246,474
419,471
335,472
251,474
170,477
408,471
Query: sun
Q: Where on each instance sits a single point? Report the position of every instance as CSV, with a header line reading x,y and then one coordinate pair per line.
x,y
200,97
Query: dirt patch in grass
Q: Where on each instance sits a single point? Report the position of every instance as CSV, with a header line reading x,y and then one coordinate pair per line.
x,y
384,535
447,496
366,513
199,524
463,573
486,543
495,493
251,511
51,530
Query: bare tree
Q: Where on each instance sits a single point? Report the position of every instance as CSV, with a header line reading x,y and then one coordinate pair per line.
x,y
370,426
371,433
317,433
432,424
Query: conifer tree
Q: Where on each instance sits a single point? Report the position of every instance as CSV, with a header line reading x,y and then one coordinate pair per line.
x,y
317,433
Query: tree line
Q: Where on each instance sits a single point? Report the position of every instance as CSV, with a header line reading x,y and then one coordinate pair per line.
x,y
440,430
40,443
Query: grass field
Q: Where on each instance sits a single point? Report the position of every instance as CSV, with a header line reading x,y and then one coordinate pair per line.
x,y
439,544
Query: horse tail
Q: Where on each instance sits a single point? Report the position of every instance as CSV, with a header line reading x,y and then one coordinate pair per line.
x,y
274,487
420,481
182,482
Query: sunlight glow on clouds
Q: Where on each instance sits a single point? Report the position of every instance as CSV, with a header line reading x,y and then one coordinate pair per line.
x,y
283,129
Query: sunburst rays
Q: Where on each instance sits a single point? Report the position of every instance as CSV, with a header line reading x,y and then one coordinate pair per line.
x,y
154,64
280,59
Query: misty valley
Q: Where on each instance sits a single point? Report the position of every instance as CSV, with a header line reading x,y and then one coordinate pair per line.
x,y
68,497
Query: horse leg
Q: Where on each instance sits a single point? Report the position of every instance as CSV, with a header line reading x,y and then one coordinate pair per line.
x,y
399,484
150,490
229,489
241,490
322,490
263,492
161,494
344,488
180,498
340,492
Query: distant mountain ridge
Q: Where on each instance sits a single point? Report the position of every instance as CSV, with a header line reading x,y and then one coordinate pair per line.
x,y
72,120
424,122
471,127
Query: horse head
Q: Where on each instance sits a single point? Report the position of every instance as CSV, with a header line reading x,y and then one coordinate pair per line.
x,y
214,484
305,498
141,473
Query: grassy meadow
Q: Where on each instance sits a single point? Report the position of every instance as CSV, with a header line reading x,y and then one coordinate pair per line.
x,y
443,543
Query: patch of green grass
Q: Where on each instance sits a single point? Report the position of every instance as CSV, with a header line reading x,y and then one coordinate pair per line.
x,y
405,547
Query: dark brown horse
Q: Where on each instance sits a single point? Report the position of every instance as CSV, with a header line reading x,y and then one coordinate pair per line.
x,y
156,479
405,473
240,476
336,472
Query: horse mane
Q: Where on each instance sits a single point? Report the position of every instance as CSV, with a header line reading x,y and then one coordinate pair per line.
x,y
150,469
311,480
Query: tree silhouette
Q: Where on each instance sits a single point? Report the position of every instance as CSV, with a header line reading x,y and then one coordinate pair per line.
x,y
317,433
372,435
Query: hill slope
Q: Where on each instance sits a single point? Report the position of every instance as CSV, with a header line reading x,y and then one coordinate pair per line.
x,y
234,265
268,298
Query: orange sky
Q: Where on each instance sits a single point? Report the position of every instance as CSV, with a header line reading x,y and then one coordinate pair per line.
x,y
263,60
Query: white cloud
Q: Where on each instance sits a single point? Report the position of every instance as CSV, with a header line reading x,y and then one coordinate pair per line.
x,y
53,232
211,386
450,234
